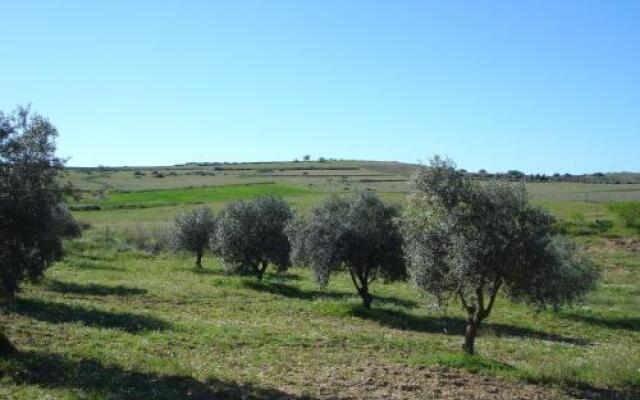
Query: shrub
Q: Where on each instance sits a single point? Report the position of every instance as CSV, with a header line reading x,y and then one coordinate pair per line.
x,y
251,234
359,233
193,230
150,240
467,241
582,227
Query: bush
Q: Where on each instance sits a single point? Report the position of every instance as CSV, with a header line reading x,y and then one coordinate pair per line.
x,y
359,233
251,234
582,227
150,240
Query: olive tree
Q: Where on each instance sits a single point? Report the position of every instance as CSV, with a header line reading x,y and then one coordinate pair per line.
x,y
33,220
468,241
193,230
251,234
359,234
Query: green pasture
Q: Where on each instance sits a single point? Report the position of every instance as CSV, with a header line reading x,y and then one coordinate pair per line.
x,y
123,324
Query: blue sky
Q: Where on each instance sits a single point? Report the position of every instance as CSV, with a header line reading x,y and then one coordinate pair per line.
x,y
533,85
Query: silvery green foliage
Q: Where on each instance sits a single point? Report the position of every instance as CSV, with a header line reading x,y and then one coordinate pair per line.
x,y
359,233
468,241
563,275
33,220
317,239
251,234
193,230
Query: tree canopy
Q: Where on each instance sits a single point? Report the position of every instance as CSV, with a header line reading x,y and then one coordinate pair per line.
x,y
193,230
251,234
358,233
469,240
33,220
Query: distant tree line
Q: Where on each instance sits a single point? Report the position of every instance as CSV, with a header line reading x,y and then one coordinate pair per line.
x,y
519,176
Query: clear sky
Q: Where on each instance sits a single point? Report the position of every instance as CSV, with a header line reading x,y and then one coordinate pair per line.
x,y
531,85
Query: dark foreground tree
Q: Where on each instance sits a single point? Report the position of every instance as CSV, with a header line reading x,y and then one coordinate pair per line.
x,y
193,230
360,234
468,241
251,234
33,221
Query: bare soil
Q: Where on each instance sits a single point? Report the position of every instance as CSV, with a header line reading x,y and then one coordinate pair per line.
x,y
380,381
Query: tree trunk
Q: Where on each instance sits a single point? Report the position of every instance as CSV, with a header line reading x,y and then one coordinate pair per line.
x,y
473,323
199,259
362,287
364,293
366,299
261,269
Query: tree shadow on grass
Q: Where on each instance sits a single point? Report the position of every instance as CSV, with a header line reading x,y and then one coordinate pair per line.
x,y
590,392
294,292
205,271
110,381
280,276
455,326
623,323
92,289
98,265
60,312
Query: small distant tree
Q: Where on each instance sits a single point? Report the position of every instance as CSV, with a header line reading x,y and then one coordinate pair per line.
x,y
251,234
359,234
515,175
33,219
193,231
468,241
306,157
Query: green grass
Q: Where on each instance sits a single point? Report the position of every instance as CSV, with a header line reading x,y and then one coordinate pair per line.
x,y
214,194
109,324
628,213
333,176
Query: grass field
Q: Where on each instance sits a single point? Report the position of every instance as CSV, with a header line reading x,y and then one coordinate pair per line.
x,y
214,194
111,322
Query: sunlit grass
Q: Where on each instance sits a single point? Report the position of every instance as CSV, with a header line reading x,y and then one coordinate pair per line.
x,y
158,316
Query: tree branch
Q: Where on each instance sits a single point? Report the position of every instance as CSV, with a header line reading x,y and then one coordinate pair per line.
x,y
353,278
480,297
494,293
466,306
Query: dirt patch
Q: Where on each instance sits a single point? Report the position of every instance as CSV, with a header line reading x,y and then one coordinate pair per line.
x,y
631,245
384,381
